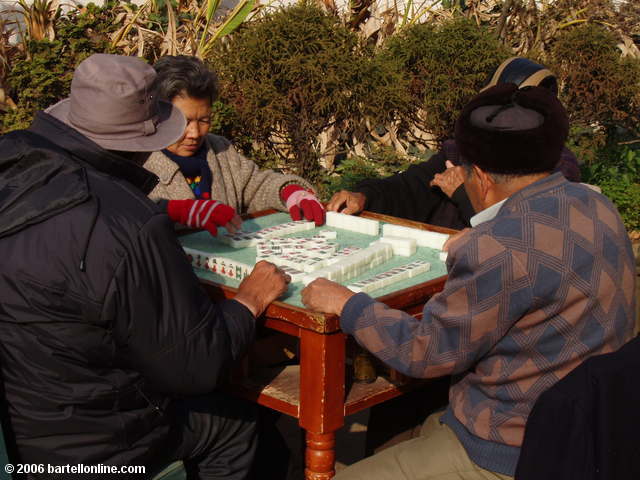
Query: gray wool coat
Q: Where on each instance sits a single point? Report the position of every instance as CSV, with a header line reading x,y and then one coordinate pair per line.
x,y
236,180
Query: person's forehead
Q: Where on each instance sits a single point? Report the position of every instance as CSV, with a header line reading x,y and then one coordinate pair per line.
x,y
192,105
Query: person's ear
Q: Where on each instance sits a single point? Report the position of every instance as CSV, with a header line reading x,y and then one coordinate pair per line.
x,y
485,183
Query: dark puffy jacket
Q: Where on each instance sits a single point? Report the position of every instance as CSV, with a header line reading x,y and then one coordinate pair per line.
x,y
409,194
585,427
102,319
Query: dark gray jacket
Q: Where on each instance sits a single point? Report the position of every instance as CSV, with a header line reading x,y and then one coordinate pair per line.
x,y
102,319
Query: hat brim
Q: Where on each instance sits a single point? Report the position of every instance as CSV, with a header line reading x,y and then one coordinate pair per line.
x,y
169,129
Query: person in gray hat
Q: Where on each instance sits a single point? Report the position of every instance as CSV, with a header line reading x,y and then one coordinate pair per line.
x,y
543,281
111,352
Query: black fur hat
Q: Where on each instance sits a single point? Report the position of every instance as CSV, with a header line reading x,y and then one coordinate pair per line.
x,y
512,131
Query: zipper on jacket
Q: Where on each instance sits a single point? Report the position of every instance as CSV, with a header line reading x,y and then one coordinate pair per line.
x,y
152,404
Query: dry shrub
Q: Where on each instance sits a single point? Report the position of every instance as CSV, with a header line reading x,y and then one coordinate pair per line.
x,y
297,72
597,85
44,76
447,64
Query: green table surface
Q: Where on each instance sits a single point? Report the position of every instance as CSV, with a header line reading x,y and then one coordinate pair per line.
x,y
203,241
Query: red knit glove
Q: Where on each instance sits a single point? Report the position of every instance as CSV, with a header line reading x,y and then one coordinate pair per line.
x,y
300,201
200,214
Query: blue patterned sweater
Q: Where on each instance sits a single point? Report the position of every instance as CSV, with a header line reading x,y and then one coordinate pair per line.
x,y
530,295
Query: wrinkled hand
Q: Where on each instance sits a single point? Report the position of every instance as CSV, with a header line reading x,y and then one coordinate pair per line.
x,y
325,296
449,180
265,284
301,202
347,202
454,238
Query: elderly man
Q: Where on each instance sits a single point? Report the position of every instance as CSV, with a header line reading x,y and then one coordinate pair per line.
x,y
110,349
412,194
542,281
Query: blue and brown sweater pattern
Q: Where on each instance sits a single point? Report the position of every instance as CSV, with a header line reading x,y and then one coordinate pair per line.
x,y
530,295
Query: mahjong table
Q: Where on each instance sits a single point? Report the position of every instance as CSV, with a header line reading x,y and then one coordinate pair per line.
x,y
318,390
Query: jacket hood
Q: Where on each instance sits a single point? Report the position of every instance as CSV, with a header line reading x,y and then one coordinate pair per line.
x,y
38,180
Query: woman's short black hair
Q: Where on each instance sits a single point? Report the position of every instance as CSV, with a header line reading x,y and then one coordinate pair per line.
x,y
183,74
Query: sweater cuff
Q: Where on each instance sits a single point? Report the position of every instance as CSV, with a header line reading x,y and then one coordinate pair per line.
x,y
368,194
353,310
241,325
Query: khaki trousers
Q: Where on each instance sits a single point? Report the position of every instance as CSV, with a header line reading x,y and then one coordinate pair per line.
x,y
435,455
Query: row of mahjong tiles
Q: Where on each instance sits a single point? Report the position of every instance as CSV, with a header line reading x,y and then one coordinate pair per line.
x,y
203,242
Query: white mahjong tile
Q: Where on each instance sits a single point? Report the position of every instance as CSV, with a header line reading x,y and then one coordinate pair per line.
x,y
308,278
230,270
310,266
328,234
296,276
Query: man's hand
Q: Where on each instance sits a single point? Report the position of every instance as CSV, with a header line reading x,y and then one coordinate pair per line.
x,y
449,180
264,285
347,202
204,214
301,202
325,296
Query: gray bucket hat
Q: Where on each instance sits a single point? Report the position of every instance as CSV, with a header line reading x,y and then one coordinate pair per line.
x,y
111,104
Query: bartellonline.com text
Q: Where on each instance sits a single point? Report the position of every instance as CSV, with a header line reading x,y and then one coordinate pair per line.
x,y
79,468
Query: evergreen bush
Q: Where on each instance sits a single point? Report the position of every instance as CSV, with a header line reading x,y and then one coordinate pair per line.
x,y
43,76
447,64
379,162
626,196
617,173
597,85
297,71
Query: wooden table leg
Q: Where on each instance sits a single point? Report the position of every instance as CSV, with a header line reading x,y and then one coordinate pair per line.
x,y
322,376
320,456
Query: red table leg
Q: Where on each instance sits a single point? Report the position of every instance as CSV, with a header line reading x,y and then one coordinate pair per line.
x,y
322,375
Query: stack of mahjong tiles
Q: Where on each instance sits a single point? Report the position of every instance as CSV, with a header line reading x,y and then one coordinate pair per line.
x,y
354,224
242,239
403,247
353,265
384,279
297,256
423,238
226,267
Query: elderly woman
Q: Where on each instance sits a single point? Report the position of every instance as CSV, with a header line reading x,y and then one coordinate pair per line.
x,y
204,181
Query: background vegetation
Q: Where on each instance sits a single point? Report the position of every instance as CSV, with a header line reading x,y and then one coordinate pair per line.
x,y
338,95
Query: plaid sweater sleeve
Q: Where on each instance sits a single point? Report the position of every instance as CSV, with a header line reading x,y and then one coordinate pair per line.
x,y
459,325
